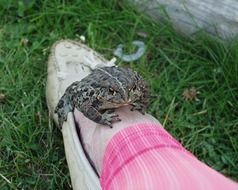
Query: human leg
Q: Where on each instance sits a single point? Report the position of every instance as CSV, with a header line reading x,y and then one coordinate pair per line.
x,y
139,154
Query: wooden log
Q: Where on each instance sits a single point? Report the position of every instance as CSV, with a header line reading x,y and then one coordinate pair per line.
x,y
217,17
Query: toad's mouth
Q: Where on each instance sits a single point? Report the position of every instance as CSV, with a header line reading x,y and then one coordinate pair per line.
x,y
111,105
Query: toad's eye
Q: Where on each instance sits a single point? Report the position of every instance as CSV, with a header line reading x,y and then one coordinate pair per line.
x,y
133,89
112,92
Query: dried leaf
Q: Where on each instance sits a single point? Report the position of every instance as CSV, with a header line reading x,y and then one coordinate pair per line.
x,y
24,41
142,34
2,98
190,94
39,117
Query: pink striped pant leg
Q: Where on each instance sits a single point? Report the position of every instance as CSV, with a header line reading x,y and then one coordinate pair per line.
x,y
145,156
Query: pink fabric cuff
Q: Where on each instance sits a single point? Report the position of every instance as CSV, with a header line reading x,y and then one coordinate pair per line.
x,y
132,142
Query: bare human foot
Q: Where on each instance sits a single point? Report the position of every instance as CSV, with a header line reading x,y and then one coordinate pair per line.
x,y
95,137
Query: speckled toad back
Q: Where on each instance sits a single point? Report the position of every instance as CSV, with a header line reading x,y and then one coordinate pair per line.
x,y
105,89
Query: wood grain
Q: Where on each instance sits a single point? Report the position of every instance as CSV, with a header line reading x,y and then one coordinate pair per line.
x,y
216,17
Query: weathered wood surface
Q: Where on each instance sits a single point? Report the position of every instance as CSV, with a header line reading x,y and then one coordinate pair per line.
x,y
217,17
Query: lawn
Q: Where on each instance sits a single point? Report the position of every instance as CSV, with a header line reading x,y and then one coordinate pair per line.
x,y
193,84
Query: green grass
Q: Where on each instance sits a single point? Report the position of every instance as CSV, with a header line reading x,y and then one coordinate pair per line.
x,y
31,147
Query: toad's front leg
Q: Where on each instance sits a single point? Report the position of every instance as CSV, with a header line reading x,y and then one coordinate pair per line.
x,y
142,103
139,107
106,117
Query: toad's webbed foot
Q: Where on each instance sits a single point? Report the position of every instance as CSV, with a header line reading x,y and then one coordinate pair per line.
x,y
109,117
